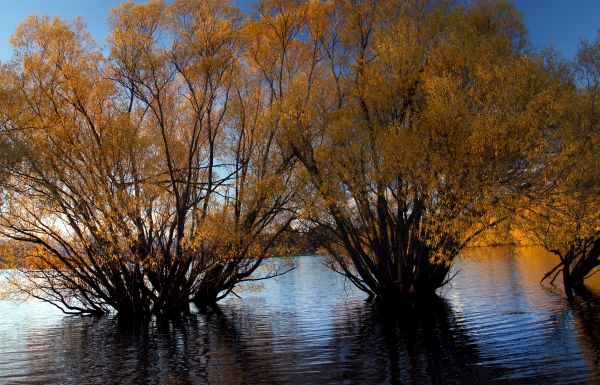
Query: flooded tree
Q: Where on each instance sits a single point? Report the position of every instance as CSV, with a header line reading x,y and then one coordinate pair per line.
x,y
413,121
563,212
165,169
149,177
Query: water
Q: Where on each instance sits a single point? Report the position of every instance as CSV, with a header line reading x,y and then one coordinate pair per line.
x,y
496,324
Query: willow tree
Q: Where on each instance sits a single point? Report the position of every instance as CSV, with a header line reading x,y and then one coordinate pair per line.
x,y
414,122
144,184
563,211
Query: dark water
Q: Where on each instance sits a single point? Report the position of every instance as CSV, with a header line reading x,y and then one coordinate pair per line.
x,y
496,324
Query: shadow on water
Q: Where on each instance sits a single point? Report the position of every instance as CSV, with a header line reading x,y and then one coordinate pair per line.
x,y
369,344
413,344
208,347
106,351
222,346
586,309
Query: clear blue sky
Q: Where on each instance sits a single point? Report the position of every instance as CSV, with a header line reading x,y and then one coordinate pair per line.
x,y
561,23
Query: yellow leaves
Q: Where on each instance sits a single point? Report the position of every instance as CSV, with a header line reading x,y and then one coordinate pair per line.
x,y
563,208
203,121
135,24
15,255
204,23
205,36
222,237
317,14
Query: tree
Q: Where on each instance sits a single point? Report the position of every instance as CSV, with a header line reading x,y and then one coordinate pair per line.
x,y
146,184
563,213
397,132
414,122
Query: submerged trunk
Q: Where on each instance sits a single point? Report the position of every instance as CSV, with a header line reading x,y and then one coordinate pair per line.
x,y
586,263
567,280
213,283
427,276
578,263
395,271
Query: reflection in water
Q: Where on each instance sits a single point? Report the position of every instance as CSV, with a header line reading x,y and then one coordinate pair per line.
x,y
586,307
496,324
416,345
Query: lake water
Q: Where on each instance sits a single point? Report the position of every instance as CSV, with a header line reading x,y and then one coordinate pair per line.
x,y
495,324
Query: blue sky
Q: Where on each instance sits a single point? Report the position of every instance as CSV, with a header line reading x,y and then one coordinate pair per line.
x,y
561,23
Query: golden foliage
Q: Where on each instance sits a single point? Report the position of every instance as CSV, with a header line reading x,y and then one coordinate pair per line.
x,y
398,131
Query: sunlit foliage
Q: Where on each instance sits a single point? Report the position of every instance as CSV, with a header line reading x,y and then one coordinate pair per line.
x,y
563,211
415,123
165,168
148,177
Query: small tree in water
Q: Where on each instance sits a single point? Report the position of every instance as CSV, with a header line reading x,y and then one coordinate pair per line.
x,y
563,212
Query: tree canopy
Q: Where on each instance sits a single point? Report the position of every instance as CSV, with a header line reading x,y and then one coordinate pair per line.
x,y
166,168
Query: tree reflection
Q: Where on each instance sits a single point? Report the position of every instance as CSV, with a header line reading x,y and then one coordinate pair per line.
x,y
413,344
585,304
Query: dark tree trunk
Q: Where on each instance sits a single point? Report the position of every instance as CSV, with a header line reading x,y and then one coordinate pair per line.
x,y
212,284
567,280
576,265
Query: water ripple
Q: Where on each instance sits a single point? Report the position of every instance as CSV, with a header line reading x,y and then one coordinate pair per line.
x,y
496,324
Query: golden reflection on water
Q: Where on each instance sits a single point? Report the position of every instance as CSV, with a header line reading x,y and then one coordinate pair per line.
x,y
530,263
522,268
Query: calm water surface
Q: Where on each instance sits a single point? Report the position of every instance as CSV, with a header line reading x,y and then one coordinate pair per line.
x,y
495,324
